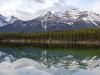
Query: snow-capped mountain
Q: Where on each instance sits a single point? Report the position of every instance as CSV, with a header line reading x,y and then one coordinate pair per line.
x,y
2,21
7,20
69,20
91,17
11,19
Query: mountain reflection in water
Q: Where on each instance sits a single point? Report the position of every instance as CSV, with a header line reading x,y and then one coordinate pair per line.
x,y
52,61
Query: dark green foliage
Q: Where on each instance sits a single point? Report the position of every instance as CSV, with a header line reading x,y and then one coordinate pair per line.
x,y
65,36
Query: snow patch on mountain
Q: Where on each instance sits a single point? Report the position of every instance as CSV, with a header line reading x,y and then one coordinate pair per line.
x,y
7,20
52,21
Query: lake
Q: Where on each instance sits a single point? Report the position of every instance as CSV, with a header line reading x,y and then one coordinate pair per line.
x,y
49,60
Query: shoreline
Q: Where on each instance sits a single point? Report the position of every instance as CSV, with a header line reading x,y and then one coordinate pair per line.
x,y
51,42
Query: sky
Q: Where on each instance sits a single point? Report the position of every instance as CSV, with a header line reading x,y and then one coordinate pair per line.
x,y
29,9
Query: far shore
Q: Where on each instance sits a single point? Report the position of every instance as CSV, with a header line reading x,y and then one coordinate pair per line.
x,y
51,42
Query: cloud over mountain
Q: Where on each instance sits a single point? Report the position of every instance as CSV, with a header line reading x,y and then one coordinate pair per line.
x,y
31,7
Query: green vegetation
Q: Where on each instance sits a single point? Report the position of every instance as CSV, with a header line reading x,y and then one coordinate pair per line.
x,y
79,36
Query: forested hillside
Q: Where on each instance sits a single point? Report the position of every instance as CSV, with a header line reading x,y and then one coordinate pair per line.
x,y
86,35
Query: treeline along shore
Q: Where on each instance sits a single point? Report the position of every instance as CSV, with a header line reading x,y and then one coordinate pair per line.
x,y
85,36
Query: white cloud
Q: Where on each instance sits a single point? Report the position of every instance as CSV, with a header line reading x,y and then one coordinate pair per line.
x,y
95,6
31,7
28,9
69,2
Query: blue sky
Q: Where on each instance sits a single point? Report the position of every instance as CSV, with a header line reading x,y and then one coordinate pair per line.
x,y
28,9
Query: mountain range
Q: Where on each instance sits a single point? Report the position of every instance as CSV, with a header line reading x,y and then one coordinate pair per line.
x,y
70,20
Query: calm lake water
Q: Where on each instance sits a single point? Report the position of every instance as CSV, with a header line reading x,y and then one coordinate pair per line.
x,y
43,60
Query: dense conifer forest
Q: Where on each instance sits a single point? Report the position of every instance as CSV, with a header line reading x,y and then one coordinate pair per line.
x,y
72,36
